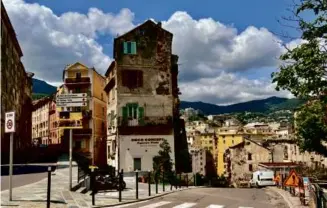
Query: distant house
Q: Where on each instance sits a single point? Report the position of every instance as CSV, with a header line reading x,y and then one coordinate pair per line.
x,y
243,158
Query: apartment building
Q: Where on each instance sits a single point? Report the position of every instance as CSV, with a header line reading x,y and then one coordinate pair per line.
x,y
16,89
44,121
88,122
142,98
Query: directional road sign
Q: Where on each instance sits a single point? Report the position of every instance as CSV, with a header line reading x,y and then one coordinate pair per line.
x,y
72,95
10,122
72,100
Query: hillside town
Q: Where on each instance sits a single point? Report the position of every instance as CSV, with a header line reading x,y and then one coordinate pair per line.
x,y
120,119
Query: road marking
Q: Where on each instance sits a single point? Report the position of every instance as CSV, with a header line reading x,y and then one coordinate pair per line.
x,y
215,206
245,207
185,205
158,204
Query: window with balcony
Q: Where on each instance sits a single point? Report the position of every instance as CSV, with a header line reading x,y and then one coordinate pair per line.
x,y
78,75
133,114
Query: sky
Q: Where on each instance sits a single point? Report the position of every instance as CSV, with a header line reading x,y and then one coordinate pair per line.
x,y
227,49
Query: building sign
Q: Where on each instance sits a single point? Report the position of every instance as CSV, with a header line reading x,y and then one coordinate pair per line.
x,y
10,122
146,142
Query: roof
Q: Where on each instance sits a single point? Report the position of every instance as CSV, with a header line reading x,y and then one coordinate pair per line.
x,y
146,22
243,143
111,66
278,164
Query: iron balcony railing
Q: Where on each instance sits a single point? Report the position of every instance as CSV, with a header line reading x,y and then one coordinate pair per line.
x,y
146,121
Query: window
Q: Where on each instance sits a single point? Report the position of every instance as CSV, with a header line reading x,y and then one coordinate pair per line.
x,y
129,47
249,156
137,164
101,96
78,90
250,167
232,141
78,75
132,78
102,110
108,151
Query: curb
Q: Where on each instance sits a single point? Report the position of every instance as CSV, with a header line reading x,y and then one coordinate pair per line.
x,y
145,199
284,197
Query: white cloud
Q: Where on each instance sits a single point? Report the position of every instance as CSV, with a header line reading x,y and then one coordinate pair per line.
x,y
50,42
228,88
207,47
210,52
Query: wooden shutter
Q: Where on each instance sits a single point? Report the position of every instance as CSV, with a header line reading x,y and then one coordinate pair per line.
x,y
141,115
125,111
133,47
125,48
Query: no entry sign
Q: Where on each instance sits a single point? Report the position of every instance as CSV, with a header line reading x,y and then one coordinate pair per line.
x,y
10,122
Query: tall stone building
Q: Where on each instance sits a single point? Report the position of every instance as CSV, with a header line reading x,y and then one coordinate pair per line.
x,y
142,98
16,89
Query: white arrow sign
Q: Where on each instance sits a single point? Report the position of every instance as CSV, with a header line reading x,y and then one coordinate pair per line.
x,y
77,104
69,100
72,95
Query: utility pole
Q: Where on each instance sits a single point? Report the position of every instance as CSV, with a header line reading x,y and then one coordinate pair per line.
x,y
118,148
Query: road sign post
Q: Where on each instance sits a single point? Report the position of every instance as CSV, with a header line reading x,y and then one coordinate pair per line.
x,y
10,128
70,159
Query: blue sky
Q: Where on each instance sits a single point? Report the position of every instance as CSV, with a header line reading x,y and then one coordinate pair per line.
x,y
228,48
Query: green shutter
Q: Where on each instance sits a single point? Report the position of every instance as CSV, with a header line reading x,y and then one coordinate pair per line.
x,y
141,115
125,48
133,51
124,109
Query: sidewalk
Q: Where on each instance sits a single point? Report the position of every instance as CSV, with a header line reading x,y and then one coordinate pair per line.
x,y
34,195
292,201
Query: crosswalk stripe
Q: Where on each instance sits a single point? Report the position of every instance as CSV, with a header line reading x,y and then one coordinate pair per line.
x,y
215,206
245,207
185,205
158,204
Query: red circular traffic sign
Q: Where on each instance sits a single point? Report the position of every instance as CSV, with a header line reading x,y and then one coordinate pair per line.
x,y
9,124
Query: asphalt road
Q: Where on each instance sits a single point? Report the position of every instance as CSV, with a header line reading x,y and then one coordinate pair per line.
x,y
215,198
21,180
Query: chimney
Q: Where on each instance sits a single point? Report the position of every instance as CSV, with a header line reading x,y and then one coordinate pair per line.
x,y
159,24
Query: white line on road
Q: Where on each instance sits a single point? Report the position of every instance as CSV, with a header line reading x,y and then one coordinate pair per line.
x,y
158,204
245,207
185,205
215,206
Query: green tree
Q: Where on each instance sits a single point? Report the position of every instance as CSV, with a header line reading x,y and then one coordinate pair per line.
x,y
304,73
163,162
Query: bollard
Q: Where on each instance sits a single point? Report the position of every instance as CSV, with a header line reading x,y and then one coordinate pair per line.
x,y
176,180
120,182
137,183
49,187
156,179
163,181
180,180
93,186
149,182
186,180
194,179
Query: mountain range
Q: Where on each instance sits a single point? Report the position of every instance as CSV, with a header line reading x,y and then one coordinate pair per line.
x,y
42,88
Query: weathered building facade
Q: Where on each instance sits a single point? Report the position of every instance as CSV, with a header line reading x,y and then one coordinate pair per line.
x,y
16,89
243,158
142,98
88,123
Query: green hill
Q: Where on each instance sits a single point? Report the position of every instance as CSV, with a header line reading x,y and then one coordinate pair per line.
x,y
261,106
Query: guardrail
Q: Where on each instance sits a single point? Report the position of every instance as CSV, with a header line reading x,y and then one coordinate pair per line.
x,y
317,196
